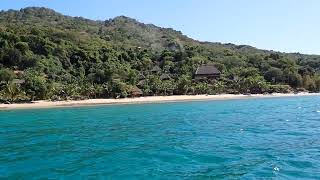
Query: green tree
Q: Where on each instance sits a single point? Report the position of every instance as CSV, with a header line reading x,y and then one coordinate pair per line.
x,y
119,89
6,75
184,84
12,57
23,47
13,93
274,75
295,80
309,83
253,84
317,83
36,85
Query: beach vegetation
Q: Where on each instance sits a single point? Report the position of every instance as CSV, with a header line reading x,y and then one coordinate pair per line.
x,y
46,55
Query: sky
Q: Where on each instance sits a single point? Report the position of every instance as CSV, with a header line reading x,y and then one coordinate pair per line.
x,y
281,25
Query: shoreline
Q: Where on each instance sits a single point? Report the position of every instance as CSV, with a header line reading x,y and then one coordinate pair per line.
x,y
144,100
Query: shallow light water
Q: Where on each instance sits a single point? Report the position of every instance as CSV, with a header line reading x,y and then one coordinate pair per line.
x,y
236,139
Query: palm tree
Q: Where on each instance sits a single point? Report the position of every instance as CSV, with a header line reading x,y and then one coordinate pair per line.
x,y
12,92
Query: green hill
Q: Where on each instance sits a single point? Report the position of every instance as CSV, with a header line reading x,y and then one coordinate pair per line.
x,y
46,55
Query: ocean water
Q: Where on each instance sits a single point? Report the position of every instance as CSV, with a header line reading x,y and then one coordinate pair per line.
x,y
236,139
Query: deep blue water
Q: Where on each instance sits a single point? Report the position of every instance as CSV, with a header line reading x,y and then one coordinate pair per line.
x,y
237,139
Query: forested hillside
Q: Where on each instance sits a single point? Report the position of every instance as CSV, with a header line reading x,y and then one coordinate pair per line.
x,y
46,55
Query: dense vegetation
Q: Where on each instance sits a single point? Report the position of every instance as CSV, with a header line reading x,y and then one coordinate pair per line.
x,y
45,55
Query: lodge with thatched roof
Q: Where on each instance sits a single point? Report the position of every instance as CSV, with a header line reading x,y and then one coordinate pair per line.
x,y
207,72
135,92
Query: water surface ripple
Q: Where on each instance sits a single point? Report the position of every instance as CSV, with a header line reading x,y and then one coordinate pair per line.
x,y
235,139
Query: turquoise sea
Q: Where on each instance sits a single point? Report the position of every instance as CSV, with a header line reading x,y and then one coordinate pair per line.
x,y
235,139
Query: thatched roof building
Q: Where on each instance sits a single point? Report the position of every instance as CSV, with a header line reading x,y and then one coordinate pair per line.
x,y
207,71
135,92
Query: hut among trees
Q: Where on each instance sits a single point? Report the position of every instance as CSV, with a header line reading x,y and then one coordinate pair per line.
x,y
135,92
207,72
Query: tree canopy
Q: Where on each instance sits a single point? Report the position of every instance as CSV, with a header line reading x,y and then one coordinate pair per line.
x,y
62,57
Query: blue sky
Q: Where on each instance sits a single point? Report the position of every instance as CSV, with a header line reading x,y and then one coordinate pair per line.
x,y
282,25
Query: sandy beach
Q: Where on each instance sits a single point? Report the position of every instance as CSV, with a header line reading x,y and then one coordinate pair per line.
x,y
150,99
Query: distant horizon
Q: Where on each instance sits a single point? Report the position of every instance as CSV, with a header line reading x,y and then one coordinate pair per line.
x,y
284,44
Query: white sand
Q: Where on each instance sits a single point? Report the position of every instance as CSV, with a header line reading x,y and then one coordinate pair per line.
x,y
150,99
